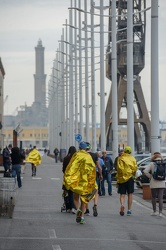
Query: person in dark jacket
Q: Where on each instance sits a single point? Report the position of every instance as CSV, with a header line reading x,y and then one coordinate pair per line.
x,y
106,171
7,158
16,165
56,152
70,205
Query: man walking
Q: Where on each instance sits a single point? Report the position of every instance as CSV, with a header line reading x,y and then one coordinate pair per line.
x,y
56,152
106,171
80,177
126,169
7,158
98,179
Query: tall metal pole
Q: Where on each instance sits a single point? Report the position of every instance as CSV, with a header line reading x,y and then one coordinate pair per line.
x,y
80,75
59,107
86,74
102,79
67,92
71,99
56,79
76,72
93,89
114,84
155,130
63,134
130,108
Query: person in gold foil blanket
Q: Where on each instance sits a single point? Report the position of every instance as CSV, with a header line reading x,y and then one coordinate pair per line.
x,y
34,158
126,170
80,177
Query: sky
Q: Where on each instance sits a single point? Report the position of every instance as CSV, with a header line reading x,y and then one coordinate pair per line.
x,y
24,22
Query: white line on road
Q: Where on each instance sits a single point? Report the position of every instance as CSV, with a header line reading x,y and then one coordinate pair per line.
x,y
36,178
141,205
52,234
55,178
84,239
56,247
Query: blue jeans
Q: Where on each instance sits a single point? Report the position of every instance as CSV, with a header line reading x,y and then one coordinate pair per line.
x,y
56,158
16,170
106,177
6,166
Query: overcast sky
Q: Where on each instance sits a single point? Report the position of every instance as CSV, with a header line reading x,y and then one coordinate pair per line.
x,y
23,22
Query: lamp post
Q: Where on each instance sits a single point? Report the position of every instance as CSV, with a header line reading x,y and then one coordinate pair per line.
x,y
114,84
102,79
130,108
155,135
86,72
71,104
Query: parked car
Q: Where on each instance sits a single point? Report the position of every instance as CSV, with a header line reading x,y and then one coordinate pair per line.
x,y
140,157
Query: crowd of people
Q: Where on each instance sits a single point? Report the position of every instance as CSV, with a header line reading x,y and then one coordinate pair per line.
x,y
85,174
14,157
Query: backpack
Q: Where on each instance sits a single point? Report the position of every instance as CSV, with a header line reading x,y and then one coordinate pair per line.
x,y
159,171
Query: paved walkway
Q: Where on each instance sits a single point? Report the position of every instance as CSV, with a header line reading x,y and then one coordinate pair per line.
x,y
38,223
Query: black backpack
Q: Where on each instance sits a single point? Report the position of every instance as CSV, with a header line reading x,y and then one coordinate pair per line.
x,y
159,171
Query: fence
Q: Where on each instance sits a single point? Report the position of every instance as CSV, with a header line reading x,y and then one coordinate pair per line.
x,y
7,196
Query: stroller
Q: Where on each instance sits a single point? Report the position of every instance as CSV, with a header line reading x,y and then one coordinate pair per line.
x,y
65,205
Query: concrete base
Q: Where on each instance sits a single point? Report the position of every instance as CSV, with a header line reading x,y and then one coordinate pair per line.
x,y
146,191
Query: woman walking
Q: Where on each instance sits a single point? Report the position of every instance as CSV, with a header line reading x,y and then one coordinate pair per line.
x,y
16,164
70,205
157,186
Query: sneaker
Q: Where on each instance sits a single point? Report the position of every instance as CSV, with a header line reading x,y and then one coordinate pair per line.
x,y
95,213
82,221
73,211
121,210
87,212
160,214
154,213
128,212
78,215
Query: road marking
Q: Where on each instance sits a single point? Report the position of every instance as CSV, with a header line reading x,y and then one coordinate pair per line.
x,y
56,247
84,239
36,178
52,234
144,206
141,205
55,178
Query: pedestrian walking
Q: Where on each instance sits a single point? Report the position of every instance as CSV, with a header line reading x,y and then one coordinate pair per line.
x,y
16,159
121,151
106,172
7,158
56,153
34,158
98,179
70,204
157,186
126,170
80,177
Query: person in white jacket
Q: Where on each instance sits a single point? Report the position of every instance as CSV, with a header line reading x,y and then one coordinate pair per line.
x,y
157,186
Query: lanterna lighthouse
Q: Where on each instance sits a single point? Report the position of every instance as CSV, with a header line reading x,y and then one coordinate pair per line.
x,y
39,76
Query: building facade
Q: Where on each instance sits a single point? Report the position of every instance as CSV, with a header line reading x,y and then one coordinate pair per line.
x,y
28,137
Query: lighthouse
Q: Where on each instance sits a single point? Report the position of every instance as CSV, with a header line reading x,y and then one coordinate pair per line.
x,y
39,76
